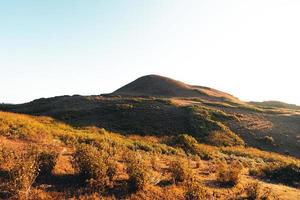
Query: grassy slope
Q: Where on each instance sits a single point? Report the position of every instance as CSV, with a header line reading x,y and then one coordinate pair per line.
x,y
154,116
132,115
18,131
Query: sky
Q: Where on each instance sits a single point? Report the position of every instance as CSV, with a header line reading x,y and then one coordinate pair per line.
x,y
250,49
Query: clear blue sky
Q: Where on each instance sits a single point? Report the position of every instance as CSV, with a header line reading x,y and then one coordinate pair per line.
x,y
247,48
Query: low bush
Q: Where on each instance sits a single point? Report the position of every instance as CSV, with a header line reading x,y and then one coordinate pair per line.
x,y
196,191
139,176
22,174
255,191
180,170
47,162
229,174
112,169
190,145
288,174
221,138
268,140
187,143
91,165
6,156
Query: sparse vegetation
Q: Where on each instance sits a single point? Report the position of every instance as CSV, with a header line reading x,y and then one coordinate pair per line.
x,y
207,123
112,165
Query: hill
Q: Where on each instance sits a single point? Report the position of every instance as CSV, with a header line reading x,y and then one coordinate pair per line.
x,y
268,128
276,104
155,138
159,86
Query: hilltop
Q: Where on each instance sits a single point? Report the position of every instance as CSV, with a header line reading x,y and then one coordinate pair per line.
x,y
159,86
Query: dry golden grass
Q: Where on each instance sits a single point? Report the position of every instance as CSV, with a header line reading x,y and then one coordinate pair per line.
x,y
133,167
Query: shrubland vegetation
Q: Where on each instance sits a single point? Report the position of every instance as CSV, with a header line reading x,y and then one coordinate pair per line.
x,y
207,125
108,165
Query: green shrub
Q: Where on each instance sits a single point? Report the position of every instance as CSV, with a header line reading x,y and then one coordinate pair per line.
x,y
143,146
224,138
190,145
91,165
187,143
139,176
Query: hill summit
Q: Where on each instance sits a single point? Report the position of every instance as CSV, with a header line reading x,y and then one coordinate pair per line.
x,y
160,86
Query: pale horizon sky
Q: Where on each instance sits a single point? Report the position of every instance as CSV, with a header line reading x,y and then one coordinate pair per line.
x,y
250,49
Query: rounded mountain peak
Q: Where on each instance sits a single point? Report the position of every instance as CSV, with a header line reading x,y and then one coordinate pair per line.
x,y
156,85
160,86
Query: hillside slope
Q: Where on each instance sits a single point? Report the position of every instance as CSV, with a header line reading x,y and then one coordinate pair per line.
x,y
272,131
165,111
201,168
